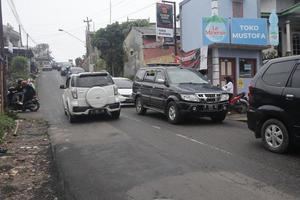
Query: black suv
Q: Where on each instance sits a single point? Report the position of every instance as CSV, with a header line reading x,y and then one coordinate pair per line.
x,y
274,97
175,91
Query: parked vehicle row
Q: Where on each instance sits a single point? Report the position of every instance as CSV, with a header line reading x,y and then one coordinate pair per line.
x,y
273,108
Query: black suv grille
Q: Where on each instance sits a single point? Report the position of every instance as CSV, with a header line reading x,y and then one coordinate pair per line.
x,y
209,98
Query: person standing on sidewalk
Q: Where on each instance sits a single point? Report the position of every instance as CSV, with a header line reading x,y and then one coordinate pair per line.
x,y
228,87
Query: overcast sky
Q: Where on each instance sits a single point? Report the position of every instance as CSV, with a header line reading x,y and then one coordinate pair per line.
x,y
42,19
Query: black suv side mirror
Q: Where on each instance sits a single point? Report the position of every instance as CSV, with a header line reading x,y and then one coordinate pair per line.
x,y
62,87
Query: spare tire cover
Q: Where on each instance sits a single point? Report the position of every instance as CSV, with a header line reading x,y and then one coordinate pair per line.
x,y
96,97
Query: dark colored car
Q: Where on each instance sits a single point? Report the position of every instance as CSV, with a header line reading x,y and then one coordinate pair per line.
x,y
176,92
74,70
274,97
64,71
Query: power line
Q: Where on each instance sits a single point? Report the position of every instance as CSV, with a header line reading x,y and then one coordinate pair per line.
x,y
137,11
17,17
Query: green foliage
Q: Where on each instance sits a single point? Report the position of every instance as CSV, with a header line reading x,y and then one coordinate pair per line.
x,y
100,65
110,40
6,123
19,68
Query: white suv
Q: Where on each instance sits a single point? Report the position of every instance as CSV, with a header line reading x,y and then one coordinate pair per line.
x,y
90,93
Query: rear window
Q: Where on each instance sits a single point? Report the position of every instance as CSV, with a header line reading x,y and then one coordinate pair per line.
x,y
93,81
123,83
296,78
278,73
76,71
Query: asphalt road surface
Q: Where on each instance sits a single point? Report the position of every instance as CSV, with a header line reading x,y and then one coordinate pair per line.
x,y
146,158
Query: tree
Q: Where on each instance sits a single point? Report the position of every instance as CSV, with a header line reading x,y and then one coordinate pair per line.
x,y
110,40
19,68
100,65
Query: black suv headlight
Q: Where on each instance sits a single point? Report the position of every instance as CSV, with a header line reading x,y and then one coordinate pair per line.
x,y
190,97
224,97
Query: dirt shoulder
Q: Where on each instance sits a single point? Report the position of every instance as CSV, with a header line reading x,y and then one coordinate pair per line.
x,y
26,170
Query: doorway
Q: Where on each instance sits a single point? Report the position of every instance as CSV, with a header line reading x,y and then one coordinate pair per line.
x,y
228,68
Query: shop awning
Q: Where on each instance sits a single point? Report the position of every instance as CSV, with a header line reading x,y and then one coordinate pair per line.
x,y
295,9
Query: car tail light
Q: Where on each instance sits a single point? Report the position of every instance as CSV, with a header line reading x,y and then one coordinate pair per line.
x,y
116,90
250,94
74,93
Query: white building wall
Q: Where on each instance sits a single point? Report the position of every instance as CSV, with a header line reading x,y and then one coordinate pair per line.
x,y
268,5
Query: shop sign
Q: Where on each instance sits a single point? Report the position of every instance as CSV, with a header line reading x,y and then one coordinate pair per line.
x,y
215,30
249,31
164,20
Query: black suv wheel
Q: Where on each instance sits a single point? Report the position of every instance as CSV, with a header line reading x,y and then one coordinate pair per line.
x,y
275,136
173,113
140,109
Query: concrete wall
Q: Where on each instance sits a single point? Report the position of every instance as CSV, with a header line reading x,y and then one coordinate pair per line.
x,y
268,5
134,43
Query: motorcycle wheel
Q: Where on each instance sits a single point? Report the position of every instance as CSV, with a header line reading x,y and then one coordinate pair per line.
x,y
242,108
34,106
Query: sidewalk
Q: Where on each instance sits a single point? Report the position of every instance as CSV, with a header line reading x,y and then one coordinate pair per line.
x,y
237,117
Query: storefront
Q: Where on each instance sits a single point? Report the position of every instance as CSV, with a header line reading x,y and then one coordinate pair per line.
x,y
234,43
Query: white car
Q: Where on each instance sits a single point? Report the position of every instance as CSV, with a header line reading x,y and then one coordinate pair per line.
x,y
90,93
125,90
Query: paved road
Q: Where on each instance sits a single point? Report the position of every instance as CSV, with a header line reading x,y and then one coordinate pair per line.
x,y
146,158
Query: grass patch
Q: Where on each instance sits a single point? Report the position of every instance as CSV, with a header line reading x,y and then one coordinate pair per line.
x,y
6,123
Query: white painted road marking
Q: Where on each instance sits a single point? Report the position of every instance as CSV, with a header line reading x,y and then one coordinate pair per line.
x,y
204,144
156,127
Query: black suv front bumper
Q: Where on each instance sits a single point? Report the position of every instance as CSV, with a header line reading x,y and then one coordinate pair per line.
x,y
203,109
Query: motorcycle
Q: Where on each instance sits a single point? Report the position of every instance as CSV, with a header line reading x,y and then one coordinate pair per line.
x,y
239,103
32,104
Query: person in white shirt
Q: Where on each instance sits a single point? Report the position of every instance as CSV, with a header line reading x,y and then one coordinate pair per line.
x,y
229,86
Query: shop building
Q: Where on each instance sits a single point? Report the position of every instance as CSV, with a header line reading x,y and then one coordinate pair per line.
x,y
234,37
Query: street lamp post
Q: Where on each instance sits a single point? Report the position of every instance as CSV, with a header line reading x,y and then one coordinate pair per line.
x,y
77,38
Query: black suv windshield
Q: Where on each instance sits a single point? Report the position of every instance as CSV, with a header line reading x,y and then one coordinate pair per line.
x,y
93,81
181,76
123,83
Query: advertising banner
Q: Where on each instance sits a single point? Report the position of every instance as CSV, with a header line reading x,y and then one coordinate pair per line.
x,y
215,30
273,29
249,31
164,20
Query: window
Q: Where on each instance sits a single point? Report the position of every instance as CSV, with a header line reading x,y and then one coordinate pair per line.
x,y
237,8
278,73
140,75
296,44
160,76
93,80
150,76
295,83
123,83
247,68
185,76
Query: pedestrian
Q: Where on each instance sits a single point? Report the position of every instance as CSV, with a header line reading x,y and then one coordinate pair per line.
x,y
229,86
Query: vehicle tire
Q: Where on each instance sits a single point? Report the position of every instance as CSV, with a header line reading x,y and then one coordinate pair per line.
x,y
242,108
71,118
218,117
275,136
35,106
173,113
116,114
140,109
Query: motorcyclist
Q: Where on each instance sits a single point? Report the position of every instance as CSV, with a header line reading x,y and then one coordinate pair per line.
x,y
28,90
19,92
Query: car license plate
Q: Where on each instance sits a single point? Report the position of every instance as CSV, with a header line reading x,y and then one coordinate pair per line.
x,y
211,107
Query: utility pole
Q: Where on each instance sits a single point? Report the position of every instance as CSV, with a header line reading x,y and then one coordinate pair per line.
x,y
20,33
110,12
175,25
88,21
27,36
2,64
